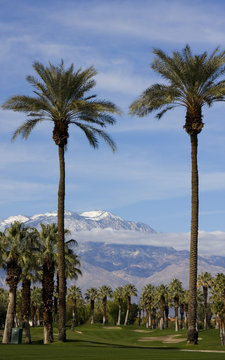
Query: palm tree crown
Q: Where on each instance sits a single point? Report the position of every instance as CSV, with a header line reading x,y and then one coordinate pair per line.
x,y
193,81
61,97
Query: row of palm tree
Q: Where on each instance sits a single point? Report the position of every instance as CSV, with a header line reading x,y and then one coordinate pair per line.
x,y
63,97
156,301
29,255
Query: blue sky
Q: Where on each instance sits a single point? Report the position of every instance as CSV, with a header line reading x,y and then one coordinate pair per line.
x,y
148,179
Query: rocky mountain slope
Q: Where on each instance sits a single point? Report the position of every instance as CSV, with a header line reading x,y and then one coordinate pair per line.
x,y
114,264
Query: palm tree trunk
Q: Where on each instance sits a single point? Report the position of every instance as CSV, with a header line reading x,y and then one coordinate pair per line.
x,y
104,303
92,311
9,321
74,314
128,310
192,334
119,313
26,309
205,295
166,316
61,249
162,307
182,316
150,318
47,297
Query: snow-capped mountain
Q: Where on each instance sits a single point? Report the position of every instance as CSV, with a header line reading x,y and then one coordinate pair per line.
x,y
113,251
80,222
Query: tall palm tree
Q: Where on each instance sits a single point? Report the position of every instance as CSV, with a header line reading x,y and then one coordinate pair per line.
x,y
104,292
129,290
118,294
62,96
193,81
11,244
175,290
91,295
75,295
205,281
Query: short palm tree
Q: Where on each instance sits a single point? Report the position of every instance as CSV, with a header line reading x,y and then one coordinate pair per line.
x,y
12,241
48,259
162,297
30,269
129,290
192,81
75,295
118,294
36,303
148,292
205,281
175,291
91,295
218,303
103,293
62,97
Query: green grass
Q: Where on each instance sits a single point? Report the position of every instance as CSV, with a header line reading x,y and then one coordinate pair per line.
x,y
98,343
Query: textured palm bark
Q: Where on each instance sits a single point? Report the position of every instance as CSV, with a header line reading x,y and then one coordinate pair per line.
x,y
13,276
166,316
47,297
61,249
26,309
92,311
192,334
205,296
120,310
128,310
74,306
104,304
186,316
176,307
181,315
162,308
9,321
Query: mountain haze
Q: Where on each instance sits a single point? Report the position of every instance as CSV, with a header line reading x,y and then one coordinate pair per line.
x,y
105,262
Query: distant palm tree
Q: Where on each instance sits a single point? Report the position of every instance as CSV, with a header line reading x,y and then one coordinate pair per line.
x,y
175,291
91,295
36,303
48,259
205,281
118,294
30,269
62,97
192,81
104,292
148,292
11,246
75,295
129,290
218,303
162,296
186,300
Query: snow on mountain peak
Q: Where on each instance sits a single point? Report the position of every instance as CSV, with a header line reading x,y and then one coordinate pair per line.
x,y
95,215
12,219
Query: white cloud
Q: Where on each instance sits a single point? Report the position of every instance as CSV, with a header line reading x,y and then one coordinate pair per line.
x,y
172,21
210,243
